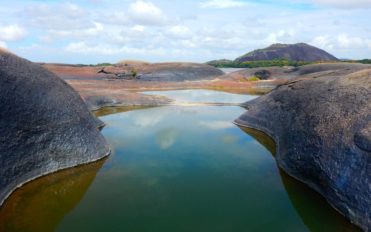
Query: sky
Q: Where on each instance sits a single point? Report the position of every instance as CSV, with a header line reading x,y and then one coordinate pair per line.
x,y
96,31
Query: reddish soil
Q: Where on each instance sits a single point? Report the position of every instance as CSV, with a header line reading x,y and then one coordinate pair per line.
x,y
101,89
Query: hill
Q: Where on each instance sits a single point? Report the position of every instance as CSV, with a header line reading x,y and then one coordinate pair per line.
x,y
279,55
292,52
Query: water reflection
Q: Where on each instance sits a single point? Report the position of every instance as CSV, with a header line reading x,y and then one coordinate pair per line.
x,y
313,209
167,137
173,169
203,96
40,205
118,109
262,138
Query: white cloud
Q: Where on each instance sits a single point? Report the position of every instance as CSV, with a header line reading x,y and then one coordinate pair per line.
x,y
115,17
343,3
279,36
157,30
341,42
138,28
346,41
93,31
3,44
216,125
146,13
11,33
106,49
322,41
222,4
65,16
166,138
180,32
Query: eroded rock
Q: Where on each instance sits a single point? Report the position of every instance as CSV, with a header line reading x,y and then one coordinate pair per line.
x,y
45,126
322,130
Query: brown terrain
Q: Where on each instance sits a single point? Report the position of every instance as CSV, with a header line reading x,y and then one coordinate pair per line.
x,y
116,86
121,84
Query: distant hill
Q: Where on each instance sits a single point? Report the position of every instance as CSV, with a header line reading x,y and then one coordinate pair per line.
x,y
219,62
293,52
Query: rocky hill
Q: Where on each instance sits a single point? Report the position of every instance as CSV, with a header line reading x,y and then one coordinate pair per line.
x,y
294,52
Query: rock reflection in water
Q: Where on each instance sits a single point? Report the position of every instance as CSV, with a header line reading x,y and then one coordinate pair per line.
x,y
118,109
312,208
41,204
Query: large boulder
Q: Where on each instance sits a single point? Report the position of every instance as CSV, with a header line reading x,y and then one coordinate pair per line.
x,y
322,130
44,124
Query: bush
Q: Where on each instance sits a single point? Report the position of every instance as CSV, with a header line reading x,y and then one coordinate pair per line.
x,y
134,73
258,63
253,78
104,64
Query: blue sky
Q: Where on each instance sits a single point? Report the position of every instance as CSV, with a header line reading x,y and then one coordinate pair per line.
x,y
93,31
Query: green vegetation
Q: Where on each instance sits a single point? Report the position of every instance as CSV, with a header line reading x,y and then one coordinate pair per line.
x,y
253,78
257,64
272,63
134,73
103,64
364,61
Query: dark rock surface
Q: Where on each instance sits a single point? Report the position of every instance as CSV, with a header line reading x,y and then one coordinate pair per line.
x,y
125,99
164,72
294,52
311,70
45,126
322,131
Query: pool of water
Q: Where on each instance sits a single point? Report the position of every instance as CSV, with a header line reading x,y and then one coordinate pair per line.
x,y
203,96
173,168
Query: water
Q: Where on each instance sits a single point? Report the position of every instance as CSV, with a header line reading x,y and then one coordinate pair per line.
x,y
203,96
173,168
230,70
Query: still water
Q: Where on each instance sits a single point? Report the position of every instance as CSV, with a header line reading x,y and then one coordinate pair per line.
x,y
173,168
203,96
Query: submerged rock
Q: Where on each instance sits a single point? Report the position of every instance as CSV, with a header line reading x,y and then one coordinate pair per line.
x,y
45,126
322,131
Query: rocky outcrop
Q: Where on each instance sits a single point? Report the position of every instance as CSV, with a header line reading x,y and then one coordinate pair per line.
x,y
164,72
96,102
44,124
294,52
139,71
321,127
305,71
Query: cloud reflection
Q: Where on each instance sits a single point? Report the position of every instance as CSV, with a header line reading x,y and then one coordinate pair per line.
x,y
166,138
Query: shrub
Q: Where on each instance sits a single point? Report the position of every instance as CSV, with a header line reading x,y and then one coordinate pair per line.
x,y
134,73
253,78
104,64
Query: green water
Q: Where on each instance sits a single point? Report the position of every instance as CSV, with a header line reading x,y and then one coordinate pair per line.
x,y
173,168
